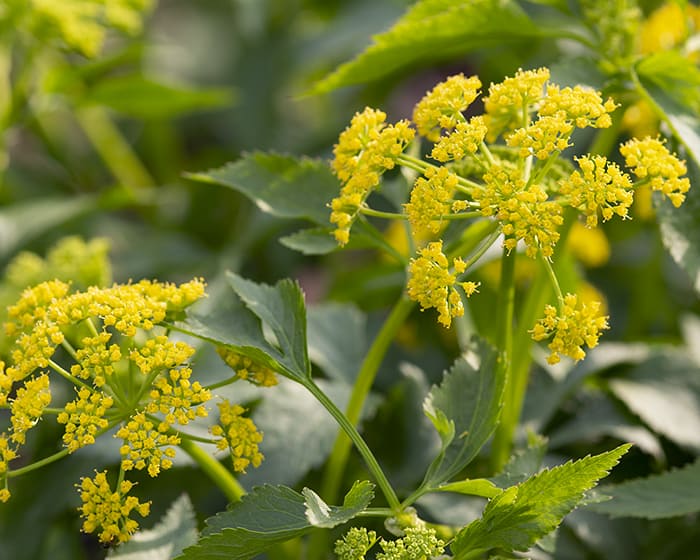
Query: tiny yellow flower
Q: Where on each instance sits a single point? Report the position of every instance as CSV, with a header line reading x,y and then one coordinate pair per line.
x,y
95,359
523,210
465,138
84,417
431,199
580,105
442,107
247,369
576,323
28,406
547,135
650,159
239,435
109,512
364,151
508,100
7,454
143,443
160,353
32,306
176,397
431,283
599,186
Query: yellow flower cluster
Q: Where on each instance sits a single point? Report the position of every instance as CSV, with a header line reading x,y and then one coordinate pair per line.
x,y
84,418
28,406
109,512
6,455
431,199
600,186
576,323
364,151
582,107
82,24
176,397
142,445
247,369
95,359
466,138
524,210
509,102
545,136
650,160
442,107
431,283
239,434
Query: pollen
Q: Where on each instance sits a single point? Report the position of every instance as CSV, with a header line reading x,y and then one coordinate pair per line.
x,y
576,323
239,435
464,139
431,283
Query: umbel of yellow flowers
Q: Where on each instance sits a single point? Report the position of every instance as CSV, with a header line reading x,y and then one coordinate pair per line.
x,y
127,375
506,166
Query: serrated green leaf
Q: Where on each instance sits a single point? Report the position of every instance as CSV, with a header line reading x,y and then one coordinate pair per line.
x,y
311,241
523,464
267,516
433,30
464,409
320,514
176,530
670,494
141,98
281,308
664,391
284,186
521,515
472,487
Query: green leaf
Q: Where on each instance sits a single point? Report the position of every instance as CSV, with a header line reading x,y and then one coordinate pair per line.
x,y
176,530
520,515
283,186
337,339
141,98
267,516
680,227
311,241
281,308
670,494
523,464
433,30
672,72
321,514
24,221
464,409
230,323
664,391
472,487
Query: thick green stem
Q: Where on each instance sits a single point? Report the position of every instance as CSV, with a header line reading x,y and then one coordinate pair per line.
x,y
504,343
113,148
365,378
352,433
214,470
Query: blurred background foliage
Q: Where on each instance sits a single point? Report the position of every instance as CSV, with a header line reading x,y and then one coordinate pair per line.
x,y
96,146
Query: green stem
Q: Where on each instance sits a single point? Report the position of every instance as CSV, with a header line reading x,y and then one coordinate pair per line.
x,y
379,214
421,166
552,278
114,150
504,343
38,464
360,444
365,378
58,369
223,383
214,469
